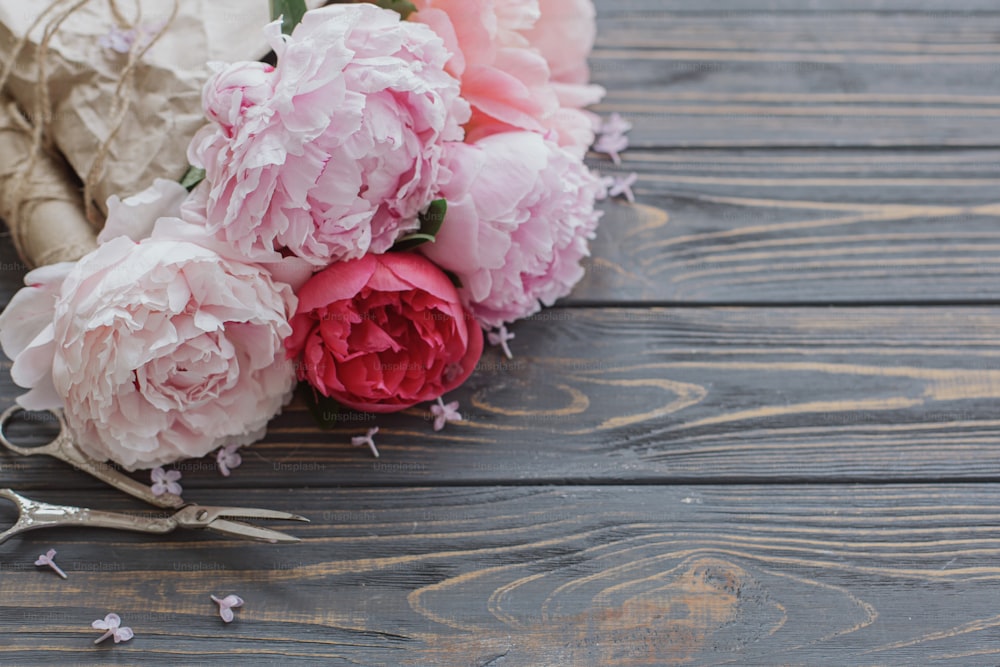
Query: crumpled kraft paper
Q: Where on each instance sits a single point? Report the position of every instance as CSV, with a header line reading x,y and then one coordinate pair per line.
x,y
165,92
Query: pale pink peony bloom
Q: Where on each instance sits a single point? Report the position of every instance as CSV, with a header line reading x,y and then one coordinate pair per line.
x,y
156,351
506,79
520,212
135,216
26,334
334,152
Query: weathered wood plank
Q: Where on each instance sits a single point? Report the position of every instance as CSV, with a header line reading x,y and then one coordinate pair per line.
x,y
758,74
668,395
800,227
879,7
758,227
530,576
12,269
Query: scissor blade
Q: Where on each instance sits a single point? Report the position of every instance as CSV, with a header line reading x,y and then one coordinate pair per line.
x,y
256,513
246,531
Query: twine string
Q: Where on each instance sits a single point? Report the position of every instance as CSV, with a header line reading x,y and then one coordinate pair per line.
x,y
120,105
36,174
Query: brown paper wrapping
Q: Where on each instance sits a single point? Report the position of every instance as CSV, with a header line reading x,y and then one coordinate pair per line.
x,y
163,101
52,227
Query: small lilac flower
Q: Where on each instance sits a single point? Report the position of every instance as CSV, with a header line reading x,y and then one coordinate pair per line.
x,y
122,41
226,606
367,439
46,559
113,624
500,337
611,144
622,186
605,182
166,482
444,413
228,458
615,125
117,40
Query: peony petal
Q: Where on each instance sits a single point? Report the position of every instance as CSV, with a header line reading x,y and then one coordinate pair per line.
x,y
135,216
338,282
32,307
335,149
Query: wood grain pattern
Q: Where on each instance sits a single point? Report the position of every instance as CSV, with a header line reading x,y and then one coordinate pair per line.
x,y
758,227
727,74
538,576
697,485
12,269
884,10
670,395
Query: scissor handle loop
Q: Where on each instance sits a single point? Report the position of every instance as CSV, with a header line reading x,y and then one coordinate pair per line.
x,y
64,449
53,448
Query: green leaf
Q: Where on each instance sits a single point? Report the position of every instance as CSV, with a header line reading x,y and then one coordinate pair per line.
x,y
192,177
432,219
411,241
430,224
404,7
290,11
323,409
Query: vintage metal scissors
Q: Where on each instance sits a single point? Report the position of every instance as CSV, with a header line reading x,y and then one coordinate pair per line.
x,y
33,515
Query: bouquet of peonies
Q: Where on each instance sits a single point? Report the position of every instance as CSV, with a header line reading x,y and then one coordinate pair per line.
x,y
355,216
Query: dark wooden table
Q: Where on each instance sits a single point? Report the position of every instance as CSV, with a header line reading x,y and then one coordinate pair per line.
x,y
765,430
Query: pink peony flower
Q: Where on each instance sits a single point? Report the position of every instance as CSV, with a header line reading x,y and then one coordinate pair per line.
x,y
564,34
505,75
334,152
156,351
22,324
136,216
520,212
383,333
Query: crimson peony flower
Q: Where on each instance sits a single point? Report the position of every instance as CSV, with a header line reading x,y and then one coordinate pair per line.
x,y
382,333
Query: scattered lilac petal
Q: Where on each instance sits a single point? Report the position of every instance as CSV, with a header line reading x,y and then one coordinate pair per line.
x,y
367,439
226,606
500,337
121,40
611,144
228,458
117,40
47,559
444,413
165,481
622,186
615,125
605,182
112,623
